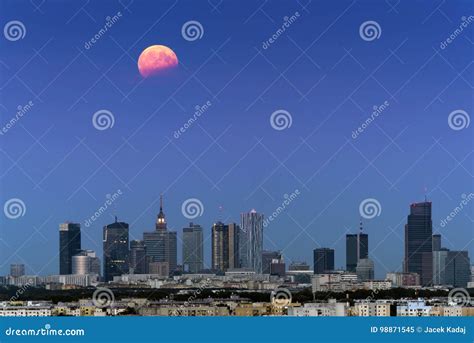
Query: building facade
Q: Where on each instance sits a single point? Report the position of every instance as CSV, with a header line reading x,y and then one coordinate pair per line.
x,y
365,269
161,244
138,258
86,262
357,247
251,240
17,270
116,250
193,253
419,242
69,245
436,242
267,258
323,259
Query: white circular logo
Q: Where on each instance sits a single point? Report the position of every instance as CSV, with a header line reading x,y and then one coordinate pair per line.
x,y
103,297
281,120
14,30
14,208
458,120
103,120
192,208
459,296
192,30
370,208
280,297
370,30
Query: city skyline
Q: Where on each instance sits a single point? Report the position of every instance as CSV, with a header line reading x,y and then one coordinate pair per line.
x,y
366,119
431,267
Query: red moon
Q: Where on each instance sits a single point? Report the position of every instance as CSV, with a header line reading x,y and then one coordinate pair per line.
x,y
155,59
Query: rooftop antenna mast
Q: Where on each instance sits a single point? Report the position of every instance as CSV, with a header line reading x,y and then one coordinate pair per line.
x,y
220,216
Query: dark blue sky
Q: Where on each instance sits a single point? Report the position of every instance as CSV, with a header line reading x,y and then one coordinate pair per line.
x,y
319,69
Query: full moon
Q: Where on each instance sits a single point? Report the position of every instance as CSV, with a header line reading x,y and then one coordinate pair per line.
x,y
155,59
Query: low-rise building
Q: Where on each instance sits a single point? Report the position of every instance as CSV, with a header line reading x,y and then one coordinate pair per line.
x,y
329,309
369,309
414,308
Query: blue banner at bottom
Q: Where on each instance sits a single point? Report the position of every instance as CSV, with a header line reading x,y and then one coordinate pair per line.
x,y
237,329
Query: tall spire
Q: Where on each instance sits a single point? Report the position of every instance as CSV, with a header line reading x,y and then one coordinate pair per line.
x,y
160,220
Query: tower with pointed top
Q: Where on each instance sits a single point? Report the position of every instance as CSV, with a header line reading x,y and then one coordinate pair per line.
x,y
161,244
160,218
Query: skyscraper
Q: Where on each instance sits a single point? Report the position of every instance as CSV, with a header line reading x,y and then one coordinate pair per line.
x,y
220,246
86,262
17,270
234,252
323,260
251,240
193,257
225,246
419,242
357,247
439,266
161,244
69,245
116,250
138,259
436,242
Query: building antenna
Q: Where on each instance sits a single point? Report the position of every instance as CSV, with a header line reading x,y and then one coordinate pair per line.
x,y
220,217
426,194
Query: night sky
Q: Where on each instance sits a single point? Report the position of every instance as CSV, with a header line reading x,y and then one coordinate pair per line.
x,y
322,70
